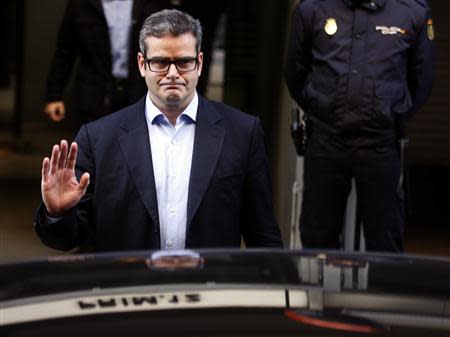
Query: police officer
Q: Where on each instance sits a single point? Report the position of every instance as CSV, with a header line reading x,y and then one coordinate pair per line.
x,y
359,69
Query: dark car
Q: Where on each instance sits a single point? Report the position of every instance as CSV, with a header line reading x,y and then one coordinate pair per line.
x,y
226,293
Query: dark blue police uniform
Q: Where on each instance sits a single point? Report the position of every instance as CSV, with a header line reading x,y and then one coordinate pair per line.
x,y
358,69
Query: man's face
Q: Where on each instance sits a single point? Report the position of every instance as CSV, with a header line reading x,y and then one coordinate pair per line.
x,y
171,90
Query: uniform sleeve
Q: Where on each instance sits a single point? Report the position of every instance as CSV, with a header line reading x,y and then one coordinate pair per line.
x,y
421,64
298,60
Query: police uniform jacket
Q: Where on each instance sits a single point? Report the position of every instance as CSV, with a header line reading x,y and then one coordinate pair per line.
x,y
357,67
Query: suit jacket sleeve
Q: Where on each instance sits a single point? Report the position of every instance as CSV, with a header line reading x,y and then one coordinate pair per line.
x,y
258,221
64,57
76,228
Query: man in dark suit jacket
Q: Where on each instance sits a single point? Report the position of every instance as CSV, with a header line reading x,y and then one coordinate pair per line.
x,y
84,36
113,189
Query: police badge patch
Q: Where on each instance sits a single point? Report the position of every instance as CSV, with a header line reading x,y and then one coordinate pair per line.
x,y
330,26
430,30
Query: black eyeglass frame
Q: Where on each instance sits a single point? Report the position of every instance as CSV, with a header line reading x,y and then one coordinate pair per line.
x,y
170,62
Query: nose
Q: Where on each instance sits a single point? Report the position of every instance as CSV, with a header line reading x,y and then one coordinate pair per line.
x,y
173,71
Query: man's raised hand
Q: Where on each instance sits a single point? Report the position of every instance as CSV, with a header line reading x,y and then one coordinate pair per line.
x,y
59,186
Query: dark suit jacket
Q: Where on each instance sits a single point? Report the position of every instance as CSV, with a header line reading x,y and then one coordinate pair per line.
x,y
229,188
84,36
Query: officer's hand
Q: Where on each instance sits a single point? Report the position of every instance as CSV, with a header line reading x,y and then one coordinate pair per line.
x,y
59,186
56,110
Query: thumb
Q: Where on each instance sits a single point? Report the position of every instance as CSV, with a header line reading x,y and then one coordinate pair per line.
x,y
61,110
84,183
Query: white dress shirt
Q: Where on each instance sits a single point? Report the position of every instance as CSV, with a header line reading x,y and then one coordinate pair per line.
x,y
118,17
172,148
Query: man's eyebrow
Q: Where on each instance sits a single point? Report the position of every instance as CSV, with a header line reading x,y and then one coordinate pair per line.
x,y
160,58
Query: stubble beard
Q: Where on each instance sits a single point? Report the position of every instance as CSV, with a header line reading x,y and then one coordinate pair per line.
x,y
173,101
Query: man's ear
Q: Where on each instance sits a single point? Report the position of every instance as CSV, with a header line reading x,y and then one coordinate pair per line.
x,y
141,63
200,63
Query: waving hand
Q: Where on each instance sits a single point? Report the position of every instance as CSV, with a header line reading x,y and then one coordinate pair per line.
x,y
59,186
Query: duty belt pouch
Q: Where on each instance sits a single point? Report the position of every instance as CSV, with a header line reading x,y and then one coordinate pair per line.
x,y
299,131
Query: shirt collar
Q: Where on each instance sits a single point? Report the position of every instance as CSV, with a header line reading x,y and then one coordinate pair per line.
x,y
154,115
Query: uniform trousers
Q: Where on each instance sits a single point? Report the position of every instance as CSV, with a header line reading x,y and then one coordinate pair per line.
x,y
329,167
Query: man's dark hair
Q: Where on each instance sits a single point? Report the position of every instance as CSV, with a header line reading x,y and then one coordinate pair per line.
x,y
170,22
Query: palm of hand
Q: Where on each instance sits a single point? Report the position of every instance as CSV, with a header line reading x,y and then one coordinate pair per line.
x,y
59,186
62,190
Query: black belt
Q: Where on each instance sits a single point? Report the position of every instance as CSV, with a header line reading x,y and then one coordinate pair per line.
x,y
378,138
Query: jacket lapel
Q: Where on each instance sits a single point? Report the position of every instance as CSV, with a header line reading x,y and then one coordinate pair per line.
x,y
207,148
135,145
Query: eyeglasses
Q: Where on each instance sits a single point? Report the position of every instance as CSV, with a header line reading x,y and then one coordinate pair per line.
x,y
162,65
